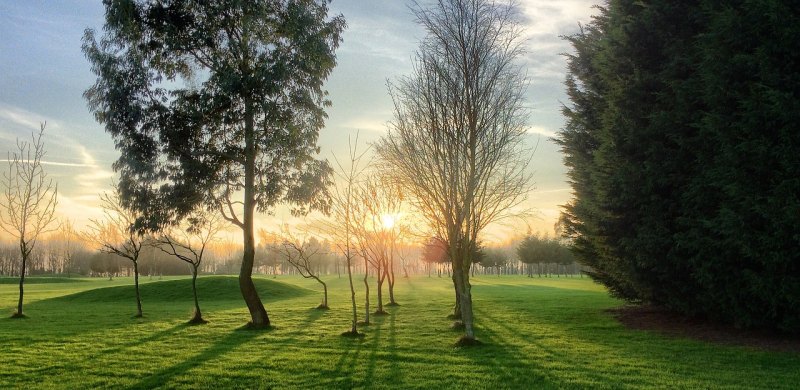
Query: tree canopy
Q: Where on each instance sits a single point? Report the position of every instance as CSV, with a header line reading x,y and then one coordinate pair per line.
x,y
216,105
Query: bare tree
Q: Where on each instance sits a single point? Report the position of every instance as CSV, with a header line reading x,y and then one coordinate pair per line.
x,y
456,141
30,201
68,238
304,255
188,243
339,227
379,201
115,234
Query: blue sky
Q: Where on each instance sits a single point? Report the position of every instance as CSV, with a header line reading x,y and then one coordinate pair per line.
x,y
43,74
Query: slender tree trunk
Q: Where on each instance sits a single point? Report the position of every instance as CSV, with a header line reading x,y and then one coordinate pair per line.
x,y
366,295
381,277
258,314
136,286
354,328
21,284
198,315
325,294
391,283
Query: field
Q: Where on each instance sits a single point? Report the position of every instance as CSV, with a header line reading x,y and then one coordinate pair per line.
x,y
537,333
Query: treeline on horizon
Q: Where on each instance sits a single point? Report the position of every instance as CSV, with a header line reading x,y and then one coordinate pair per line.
x,y
533,255
682,147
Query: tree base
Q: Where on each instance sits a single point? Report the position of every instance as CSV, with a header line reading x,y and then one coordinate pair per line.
x,y
392,304
197,321
139,315
458,325
353,335
322,307
454,316
465,341
380,313
251,326
18,315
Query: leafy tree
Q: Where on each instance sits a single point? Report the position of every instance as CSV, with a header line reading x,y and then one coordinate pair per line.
x,y
30,199
682,151
216,104
494,258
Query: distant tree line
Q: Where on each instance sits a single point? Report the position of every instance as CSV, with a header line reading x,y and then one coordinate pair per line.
x,y
684,156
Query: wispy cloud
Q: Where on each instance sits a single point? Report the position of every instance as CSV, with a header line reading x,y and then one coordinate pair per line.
x,y
58,164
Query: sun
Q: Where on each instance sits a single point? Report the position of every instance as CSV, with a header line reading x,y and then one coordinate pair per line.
x,y
388,221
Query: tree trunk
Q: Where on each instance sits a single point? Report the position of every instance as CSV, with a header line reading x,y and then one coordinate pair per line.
x,y
366,295
325,294
354,328
21,284
461,278
258,315
136,286
391,282
381,277
457,307
198,315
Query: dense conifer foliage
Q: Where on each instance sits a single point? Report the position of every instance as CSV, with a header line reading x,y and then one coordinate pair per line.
x,y
682,146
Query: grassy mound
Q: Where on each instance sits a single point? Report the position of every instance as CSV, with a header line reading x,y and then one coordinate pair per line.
x,y
209,288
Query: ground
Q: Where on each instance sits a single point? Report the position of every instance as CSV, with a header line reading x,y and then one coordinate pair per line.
x,y
535,333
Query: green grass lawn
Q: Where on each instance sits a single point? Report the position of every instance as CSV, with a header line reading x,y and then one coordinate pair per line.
x,y
537,333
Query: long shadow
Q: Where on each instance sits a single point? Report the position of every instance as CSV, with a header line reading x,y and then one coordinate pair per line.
x,y
229,343
375,339
343,369
508,363
303,326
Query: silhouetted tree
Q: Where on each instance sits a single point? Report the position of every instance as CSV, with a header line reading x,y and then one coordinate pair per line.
x,y
30,199
239,131
304,256
188,243
456,142
115,234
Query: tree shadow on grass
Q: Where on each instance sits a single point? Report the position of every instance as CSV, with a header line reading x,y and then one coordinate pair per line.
x,y
230,342
503,358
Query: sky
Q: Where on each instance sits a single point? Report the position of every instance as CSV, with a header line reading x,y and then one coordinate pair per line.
x,y
43,74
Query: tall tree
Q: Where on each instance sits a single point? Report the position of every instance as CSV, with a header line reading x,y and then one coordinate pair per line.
x,y
339,227
30,202
456,142
236,125
115,234
682,151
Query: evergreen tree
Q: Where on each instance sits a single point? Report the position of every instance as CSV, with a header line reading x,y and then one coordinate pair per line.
x,y
682,152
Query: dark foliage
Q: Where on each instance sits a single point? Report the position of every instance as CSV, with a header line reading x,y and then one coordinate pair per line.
x,y
684,156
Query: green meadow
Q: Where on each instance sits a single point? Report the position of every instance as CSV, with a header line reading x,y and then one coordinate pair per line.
x,y
536,333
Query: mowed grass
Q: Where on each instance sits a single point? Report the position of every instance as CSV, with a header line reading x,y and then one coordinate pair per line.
x,y
537,333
